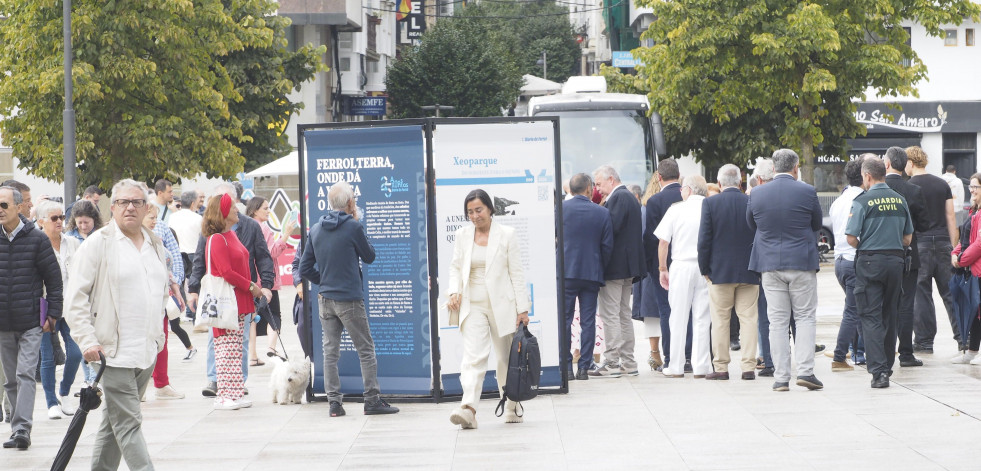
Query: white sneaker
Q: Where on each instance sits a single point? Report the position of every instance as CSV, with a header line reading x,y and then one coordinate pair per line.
x,y
464,417
223,403
244,403
66,405
54,413
976,360
964,358
168,392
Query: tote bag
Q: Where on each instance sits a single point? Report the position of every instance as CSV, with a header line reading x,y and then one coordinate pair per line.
x,y
217,306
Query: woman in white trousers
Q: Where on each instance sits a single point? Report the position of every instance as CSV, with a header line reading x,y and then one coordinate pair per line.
x,y
488,299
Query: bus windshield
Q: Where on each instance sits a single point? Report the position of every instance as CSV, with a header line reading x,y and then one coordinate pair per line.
x,y
619,138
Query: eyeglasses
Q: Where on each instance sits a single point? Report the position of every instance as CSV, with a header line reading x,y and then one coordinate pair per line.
x,y
178,206
125,203
56,218
973,187
4,205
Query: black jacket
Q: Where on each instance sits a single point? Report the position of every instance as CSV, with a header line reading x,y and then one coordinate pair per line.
x,y
917,209
627,259
260,261
27,266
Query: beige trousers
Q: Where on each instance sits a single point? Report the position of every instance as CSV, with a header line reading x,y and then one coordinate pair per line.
x,y
722,299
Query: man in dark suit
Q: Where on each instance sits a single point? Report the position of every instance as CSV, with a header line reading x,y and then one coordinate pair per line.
x,y
587,245
786,216
625,267
261,269
895,160
724,243
657,205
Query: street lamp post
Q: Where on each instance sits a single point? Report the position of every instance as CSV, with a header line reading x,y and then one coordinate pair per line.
x,y
544,63
68,126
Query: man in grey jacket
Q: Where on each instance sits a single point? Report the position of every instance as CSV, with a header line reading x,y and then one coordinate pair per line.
x,y
26,261
336,245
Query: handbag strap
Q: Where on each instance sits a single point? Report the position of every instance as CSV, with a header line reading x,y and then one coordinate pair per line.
x,y
207,259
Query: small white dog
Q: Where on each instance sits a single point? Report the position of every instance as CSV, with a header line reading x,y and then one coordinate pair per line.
x,y
289,380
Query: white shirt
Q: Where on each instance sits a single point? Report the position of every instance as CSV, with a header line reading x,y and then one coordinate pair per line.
x,y
141,295
839,212
187,225
10,235
957,188
679,227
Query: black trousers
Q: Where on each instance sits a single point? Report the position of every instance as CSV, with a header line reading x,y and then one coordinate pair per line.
x,y
878,282
905,321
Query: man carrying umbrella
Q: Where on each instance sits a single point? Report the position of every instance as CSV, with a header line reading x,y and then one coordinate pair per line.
x,y
881,228
120,272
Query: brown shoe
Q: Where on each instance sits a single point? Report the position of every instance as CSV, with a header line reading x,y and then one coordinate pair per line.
x,y
699,376
841,366
748,375
724,375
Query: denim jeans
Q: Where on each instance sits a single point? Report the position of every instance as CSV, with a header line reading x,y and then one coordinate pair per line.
x,y
850,324
73,358
335,316
212,375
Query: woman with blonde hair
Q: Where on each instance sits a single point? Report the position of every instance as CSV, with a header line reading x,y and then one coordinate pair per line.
x,y
645,306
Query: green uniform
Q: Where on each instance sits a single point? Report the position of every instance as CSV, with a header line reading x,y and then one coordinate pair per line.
x,y
879,218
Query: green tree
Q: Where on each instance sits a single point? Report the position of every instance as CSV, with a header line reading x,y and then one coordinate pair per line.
x,y
738,72
159,86
455,64
529,27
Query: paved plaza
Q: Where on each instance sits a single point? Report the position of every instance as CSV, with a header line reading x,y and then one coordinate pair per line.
x,y
930,419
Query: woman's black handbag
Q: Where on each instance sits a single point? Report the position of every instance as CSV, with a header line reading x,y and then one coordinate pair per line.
x,y
524,369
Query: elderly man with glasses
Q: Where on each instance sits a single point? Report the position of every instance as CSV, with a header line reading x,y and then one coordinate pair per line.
x,y
28,271
120,272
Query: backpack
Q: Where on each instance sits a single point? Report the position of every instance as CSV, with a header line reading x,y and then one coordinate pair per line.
x,y
524,369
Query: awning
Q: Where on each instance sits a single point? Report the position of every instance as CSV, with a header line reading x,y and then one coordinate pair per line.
x,y
283,166
536,86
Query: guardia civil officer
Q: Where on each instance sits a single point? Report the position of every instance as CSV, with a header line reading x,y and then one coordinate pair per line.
x,y
881,228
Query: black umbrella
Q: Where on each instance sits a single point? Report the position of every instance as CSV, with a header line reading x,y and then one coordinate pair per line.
x,y
90,397
262,309
965,296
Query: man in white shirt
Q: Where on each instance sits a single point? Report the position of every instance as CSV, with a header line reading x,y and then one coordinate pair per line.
x,y
187,224
957,189
850,327
687,289
129,298
164,195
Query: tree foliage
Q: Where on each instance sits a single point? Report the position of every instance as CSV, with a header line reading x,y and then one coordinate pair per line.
x,y
734,79
162,87
506,37
455,64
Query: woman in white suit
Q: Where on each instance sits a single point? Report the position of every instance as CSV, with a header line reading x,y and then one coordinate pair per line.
x,y
488,299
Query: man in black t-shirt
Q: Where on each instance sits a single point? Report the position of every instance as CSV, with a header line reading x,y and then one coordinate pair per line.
x,y
934,245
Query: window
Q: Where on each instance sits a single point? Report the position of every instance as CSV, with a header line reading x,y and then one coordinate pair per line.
x,y
345,64
345,41
951,38
969,37
907,62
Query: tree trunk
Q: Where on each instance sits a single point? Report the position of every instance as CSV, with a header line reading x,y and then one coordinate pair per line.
x,y
807,159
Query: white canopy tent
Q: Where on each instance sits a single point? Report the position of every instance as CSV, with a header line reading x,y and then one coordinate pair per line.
x,y
283,166
537,86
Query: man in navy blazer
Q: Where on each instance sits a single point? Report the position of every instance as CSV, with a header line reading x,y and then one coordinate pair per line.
x,y
724,243
626,266
658,204
786,216
587,245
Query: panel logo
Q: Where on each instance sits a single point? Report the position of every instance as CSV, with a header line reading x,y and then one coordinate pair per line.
x,y
391,185
471,163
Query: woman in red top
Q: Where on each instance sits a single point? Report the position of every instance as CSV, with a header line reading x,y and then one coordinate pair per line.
x,y
970,256
228,259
